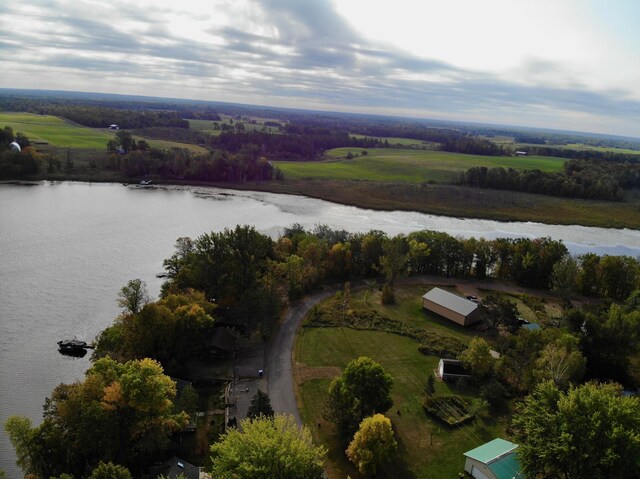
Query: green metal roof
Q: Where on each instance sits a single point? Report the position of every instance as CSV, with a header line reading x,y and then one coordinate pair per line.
x,y
491,450
507,467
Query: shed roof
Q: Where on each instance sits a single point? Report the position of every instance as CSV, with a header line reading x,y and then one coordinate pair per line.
x,y
507,467
491,450
451,301
223,339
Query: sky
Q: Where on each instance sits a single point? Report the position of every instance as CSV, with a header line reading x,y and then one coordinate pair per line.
x,y
562,64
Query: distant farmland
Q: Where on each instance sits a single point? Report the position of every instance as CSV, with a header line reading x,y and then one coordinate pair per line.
x,y
55,131
400,165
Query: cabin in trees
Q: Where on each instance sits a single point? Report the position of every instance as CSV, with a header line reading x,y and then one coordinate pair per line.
x,y
222,344
451,369
451,306
496,459
175,468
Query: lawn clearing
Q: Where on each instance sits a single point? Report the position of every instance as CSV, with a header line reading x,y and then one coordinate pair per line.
x,y
55,131
427,448
429,145
406,165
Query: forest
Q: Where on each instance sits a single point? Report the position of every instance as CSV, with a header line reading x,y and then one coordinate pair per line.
x,y
588,179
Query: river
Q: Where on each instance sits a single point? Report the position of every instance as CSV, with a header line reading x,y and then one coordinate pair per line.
x,y
67,248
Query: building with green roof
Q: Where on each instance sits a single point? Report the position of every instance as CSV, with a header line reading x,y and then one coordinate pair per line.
x,y
496,459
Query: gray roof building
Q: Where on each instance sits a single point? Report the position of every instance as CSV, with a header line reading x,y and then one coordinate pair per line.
x,y
451,306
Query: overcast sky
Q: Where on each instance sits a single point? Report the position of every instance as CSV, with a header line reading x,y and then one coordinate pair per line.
x,y
569,64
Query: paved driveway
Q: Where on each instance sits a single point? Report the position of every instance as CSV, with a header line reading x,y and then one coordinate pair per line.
x,y
279,356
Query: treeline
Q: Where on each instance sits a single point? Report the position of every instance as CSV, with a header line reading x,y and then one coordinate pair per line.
x,y
585,179
588,154
471,145
17,164
297,142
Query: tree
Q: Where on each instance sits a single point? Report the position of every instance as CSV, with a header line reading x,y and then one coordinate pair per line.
x,y
133,296
372,445
590,431
21,435
477,358
267,447
564,277
363,389
110,470
501,312
561,362
260,406
121,413
395,258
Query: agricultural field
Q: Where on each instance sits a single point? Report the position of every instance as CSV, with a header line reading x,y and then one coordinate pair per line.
x,y
207,125
55,131
406,165
427,448
429,145
167,145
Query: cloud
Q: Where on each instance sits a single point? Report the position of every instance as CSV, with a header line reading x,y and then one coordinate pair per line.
x,y
285,52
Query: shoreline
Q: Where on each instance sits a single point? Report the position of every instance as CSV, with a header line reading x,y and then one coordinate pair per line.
x,y
442,200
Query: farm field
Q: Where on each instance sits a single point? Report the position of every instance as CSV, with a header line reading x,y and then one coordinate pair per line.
x,y
427,448
400,141
207,125
406,165
55,131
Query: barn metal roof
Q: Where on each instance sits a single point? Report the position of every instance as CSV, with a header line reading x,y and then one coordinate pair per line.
x,y
451,301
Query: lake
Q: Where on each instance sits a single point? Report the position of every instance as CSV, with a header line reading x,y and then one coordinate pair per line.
x,y
67,248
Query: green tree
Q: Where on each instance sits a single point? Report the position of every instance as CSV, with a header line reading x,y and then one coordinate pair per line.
x,y
564,277
21,435
133,296
373,444
561,361
110,470
267,447
590,431
260,405
363,389
395,257
477,358
500,312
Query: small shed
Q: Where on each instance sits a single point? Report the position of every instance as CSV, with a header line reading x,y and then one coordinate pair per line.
x,y
14,146
495,459
114,127
451,306
450,369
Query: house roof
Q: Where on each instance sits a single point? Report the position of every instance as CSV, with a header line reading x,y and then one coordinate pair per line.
x,y
222,339
175,467
451,301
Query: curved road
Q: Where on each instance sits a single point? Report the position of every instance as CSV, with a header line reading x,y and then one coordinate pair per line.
x,y
279,356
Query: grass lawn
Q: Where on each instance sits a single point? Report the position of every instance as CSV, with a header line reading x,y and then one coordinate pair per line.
x,y
428,448
406,165
56,131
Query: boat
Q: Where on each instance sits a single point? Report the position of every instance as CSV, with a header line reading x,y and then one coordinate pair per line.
x,y
73,347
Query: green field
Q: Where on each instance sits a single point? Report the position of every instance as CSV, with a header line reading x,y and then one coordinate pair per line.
x,y
400,141
427,448
404,165
207,125
55,131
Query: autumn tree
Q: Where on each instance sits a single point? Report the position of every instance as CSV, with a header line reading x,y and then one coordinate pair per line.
x,y
590,431
373,444
267,447
564,277
121,413
561,361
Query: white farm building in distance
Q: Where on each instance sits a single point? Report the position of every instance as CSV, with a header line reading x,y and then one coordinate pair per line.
x,y
451,306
